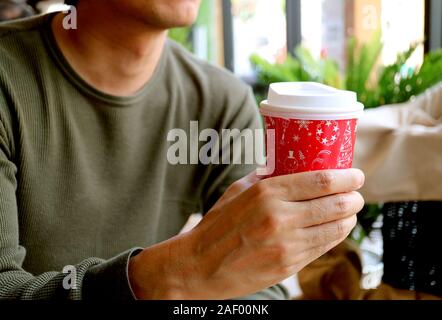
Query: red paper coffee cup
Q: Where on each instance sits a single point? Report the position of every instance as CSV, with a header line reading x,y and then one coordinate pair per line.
x,y
314,127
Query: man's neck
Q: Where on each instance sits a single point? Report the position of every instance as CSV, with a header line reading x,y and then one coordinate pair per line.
x,y
114,54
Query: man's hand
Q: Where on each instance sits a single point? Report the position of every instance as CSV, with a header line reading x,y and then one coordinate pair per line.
x,y
258,234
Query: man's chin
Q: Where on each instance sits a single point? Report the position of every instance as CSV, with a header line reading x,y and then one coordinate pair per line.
x,y
186,17
180,22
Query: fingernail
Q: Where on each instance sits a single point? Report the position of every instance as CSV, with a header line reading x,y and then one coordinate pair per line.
x,y
361,178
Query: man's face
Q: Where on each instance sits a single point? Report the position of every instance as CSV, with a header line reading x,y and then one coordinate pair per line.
x,y
163,14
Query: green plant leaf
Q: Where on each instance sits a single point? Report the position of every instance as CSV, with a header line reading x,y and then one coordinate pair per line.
x,y
361,62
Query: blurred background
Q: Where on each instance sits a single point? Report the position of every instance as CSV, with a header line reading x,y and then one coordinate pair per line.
x,y
387,51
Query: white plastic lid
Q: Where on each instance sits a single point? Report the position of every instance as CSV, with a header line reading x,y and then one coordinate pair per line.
x,y
310,101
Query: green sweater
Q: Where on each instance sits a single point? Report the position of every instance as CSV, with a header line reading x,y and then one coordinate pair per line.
x,y
84,178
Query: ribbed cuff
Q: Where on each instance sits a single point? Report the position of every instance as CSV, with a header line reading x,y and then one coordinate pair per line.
x,y
110,280
277,292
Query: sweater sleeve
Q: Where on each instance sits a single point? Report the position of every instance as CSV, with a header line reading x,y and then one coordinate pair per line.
x,y
93,278
244,115
398,148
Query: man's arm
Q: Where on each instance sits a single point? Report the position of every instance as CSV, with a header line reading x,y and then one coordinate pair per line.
x,y
399,149
95,278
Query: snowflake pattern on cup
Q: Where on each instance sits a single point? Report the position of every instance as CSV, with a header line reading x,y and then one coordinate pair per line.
x,y
303,124
308,145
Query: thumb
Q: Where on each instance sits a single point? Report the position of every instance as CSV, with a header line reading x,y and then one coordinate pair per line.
x,y
232,192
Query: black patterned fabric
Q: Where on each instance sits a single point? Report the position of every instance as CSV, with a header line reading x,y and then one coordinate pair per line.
x,y
413,246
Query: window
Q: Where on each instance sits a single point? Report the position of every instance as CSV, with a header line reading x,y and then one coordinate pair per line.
x,y
328,24
400,30
259,26
207,32
205,37
228,32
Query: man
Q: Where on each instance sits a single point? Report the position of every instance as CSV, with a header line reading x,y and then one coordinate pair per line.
x,y
85,184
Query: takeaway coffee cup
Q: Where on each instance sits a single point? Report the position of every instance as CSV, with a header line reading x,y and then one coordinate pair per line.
x,y
314,127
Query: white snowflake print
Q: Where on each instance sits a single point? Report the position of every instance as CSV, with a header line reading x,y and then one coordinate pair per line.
x,y
296,138
325,135
304,124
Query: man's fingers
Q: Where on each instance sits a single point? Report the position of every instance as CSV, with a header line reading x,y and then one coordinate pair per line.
x,y
325,234
312,185
327,209
296,261
299,261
